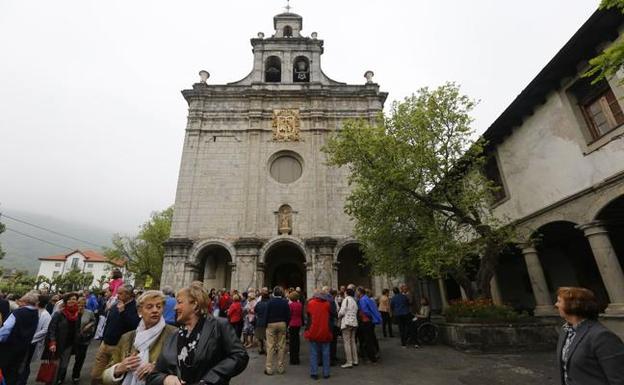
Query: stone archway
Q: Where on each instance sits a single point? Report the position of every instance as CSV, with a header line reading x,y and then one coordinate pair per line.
x,y
352,267
567,259
612,216
514,281
214,267
284,265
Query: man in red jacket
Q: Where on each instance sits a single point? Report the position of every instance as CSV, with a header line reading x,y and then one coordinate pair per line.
x,y
319,332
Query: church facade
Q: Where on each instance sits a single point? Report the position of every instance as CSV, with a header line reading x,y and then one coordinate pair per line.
x,y
256,204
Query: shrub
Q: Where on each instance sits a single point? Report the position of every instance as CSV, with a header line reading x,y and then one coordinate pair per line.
x,y
481,311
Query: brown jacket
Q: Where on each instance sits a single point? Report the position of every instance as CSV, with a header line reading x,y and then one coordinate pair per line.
x,y
124,349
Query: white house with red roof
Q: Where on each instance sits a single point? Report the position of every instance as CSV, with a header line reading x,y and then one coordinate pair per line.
x,y
87,261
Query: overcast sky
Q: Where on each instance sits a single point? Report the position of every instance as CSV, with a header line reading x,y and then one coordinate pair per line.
x,y
91,116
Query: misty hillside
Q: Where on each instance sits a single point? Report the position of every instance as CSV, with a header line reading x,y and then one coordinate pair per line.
x,y
23,252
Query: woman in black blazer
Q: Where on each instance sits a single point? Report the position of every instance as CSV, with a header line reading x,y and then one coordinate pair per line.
x,y
205,350
588,353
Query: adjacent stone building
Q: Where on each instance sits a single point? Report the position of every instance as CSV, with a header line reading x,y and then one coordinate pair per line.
x,y
256,205
557,151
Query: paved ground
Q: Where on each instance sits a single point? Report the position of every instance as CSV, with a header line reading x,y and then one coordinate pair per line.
x,y
436,365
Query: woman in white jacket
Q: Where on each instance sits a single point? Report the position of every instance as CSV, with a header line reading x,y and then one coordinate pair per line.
x,y
348,325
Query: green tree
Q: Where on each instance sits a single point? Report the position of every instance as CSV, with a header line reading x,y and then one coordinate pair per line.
x,y
19,284
41,280
73,280
419,199
144,253
611,59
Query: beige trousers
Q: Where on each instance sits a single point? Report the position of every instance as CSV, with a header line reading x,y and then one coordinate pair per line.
x,y
101,362
276,344
348,338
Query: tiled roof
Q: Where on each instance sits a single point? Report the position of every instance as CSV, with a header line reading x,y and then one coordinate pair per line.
x,y
89,255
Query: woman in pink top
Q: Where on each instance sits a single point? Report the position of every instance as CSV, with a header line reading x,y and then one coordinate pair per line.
x,y
116,282
296,320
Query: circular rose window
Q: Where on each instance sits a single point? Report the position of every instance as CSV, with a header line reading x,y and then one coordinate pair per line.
x,y
286,168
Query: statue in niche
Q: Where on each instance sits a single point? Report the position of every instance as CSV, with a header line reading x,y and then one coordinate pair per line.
x,y
284,220
286,125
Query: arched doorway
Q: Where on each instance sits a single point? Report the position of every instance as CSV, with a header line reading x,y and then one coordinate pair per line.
x,y
214,267
567,259
613,217
514,281
352,267
285,266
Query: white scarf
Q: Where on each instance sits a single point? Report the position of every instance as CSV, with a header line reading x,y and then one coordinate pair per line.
x,y
143,340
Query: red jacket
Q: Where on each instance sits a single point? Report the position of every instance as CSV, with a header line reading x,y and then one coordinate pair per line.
x,y
224,302
318,328
235,312
296,314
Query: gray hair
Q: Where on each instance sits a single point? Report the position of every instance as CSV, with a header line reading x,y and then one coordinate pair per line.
x,y
150,294
30,298
127,288
168,290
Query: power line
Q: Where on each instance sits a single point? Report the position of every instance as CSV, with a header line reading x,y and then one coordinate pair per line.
x,y
40,239
51,231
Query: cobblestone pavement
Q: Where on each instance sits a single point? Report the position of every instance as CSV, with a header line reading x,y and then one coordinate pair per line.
x,y
433,365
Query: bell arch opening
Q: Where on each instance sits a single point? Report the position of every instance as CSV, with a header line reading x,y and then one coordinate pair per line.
x,y
273,70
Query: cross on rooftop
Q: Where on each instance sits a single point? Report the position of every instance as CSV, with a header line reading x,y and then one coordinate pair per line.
x,y
288,7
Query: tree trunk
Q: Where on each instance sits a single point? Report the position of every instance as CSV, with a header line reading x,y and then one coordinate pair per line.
x,y
487,269
462,280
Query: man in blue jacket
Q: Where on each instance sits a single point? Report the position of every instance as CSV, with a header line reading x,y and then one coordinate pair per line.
x,y
399,304
369,317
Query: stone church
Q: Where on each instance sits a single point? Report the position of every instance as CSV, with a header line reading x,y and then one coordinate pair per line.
x,y
256,204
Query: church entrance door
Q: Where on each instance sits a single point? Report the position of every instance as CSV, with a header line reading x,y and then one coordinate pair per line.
x,y
285,266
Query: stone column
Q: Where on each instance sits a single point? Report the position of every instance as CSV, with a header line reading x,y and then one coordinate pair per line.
x,y
608,264
443,294
463,293
247,252
497,297
321,250
174,272
543,302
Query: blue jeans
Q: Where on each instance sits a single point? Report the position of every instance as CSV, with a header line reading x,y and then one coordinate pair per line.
x,y
315,347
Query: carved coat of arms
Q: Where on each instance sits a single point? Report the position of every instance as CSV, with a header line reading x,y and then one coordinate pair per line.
x,y
286,125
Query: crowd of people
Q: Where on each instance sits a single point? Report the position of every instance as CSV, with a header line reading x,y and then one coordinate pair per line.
x,y
156,336
199,336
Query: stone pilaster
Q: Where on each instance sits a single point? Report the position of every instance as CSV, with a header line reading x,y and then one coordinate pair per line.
x,y
174,271
443,294
321,250
310,285
543,302
497,297
247,254
234,276
608,264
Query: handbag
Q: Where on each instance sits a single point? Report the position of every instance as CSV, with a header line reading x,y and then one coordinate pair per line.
x,y
47,371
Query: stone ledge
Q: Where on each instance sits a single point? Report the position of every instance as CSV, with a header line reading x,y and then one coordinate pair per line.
x,y
500,338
